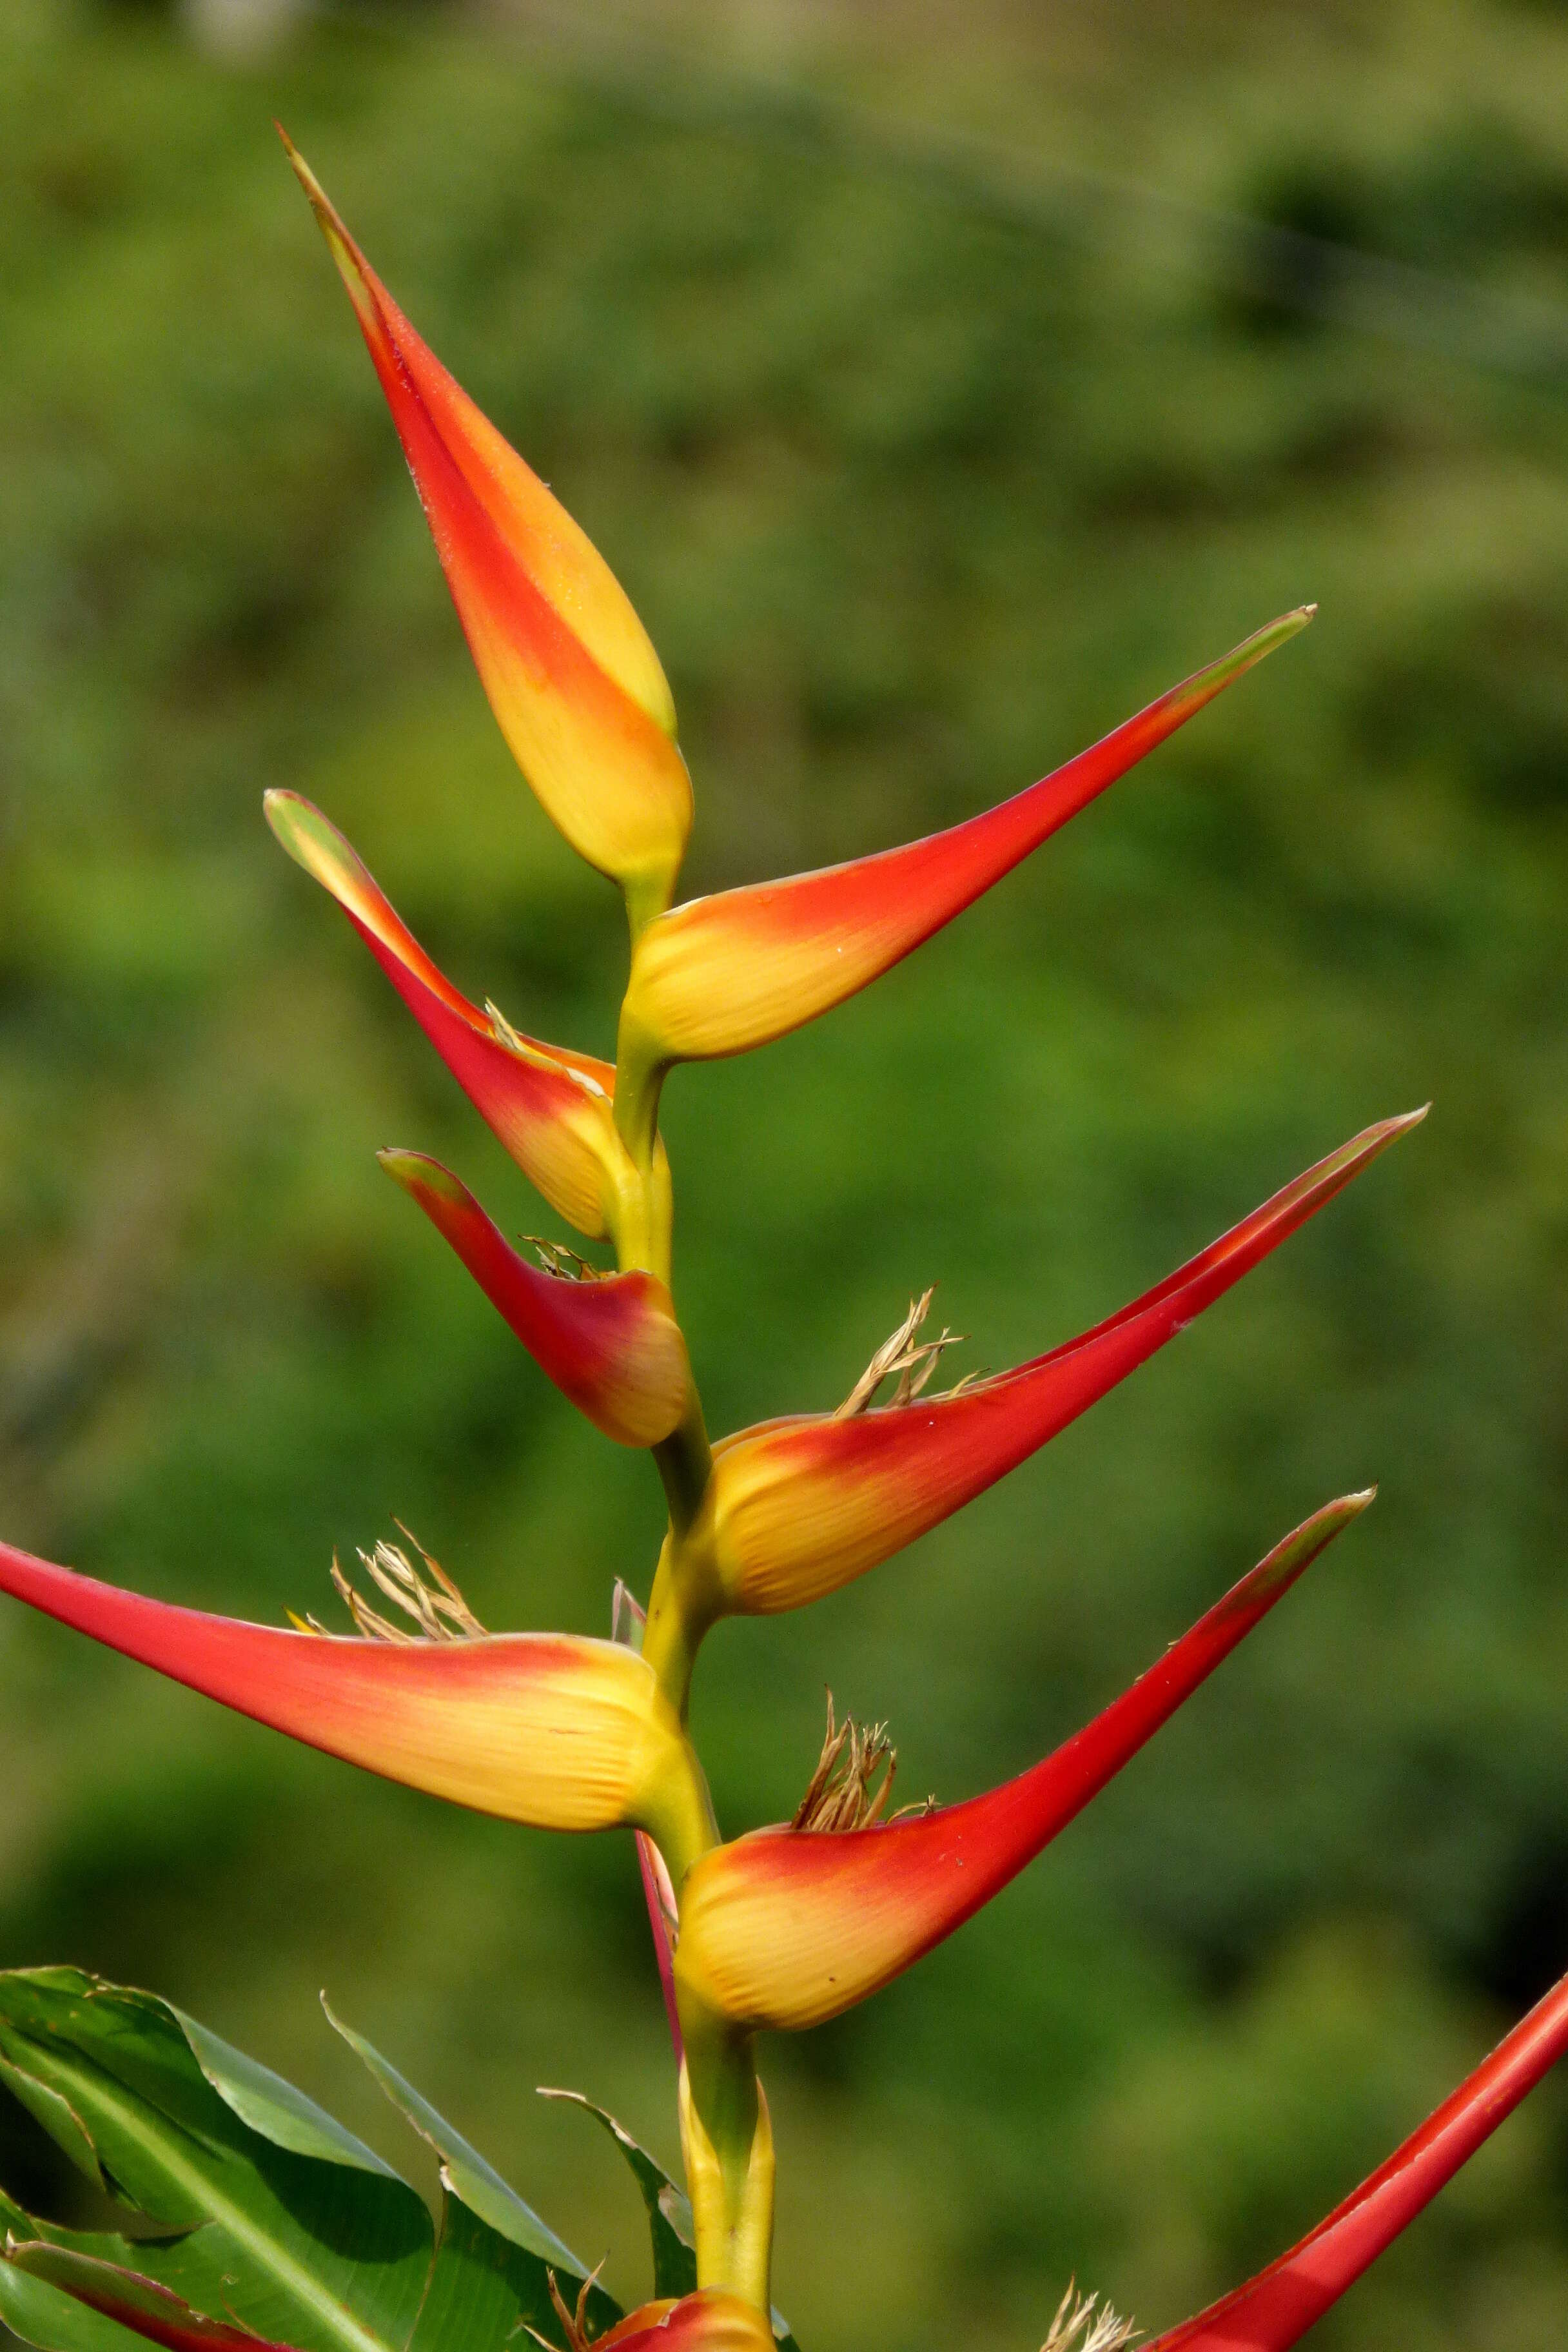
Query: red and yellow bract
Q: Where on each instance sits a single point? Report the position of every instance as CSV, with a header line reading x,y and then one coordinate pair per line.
x,y
705,2322
797,1508
719,975
552,1730
550,1109
786,1928
612,1345
1274,2310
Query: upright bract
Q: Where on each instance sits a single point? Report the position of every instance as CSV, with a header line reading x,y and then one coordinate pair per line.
x,y
568,667
784,1927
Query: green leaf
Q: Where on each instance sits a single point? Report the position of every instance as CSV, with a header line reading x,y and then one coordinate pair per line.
x,y
331,2255
668,2211
277,2221
272,2107
495,2255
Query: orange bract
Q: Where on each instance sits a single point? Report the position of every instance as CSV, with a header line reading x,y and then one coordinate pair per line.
x,y
707,2322
571,677
797,1508
550,1108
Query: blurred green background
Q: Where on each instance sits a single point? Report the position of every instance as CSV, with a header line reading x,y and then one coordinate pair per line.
x,y
943,384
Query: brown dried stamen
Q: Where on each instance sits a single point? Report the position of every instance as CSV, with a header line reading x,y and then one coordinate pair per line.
x,y
574,2323
430,1600
913,1360
1077,2327
558,1258
845,1792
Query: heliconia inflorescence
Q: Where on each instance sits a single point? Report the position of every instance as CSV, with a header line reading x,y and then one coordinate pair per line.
x,y
787,1927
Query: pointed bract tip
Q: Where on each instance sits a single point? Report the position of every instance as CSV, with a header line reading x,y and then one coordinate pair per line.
x,y
1266,640
313,841
301,170
1327,1522
1296,1554
417,1173
351,262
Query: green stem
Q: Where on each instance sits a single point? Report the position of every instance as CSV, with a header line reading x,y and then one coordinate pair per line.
x,y
728,2142
685,1463
680,1819
681,1608
639,1081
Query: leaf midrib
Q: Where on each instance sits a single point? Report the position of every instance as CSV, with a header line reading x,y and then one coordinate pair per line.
x,y
284,2267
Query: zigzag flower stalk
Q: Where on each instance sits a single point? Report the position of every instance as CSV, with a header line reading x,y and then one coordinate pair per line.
x,y
785,1927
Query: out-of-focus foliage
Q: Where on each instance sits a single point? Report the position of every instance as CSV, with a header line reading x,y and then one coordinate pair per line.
x,y
917,492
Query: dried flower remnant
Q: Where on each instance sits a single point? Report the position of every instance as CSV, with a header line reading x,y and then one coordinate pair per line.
x,y
844,1792
1084,2323
560,1259
914,1360
573,2319
432,1602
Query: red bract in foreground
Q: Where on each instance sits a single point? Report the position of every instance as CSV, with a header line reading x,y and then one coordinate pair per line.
x,y
776,1930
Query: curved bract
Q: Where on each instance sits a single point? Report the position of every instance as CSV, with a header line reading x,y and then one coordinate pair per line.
x,y
612,1345
571,677
1274,2310
786,1928
719,975
798,1507
550,1108
552,1730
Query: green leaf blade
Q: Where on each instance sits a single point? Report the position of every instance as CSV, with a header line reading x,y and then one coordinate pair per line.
x,y
329,2255
495,2255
